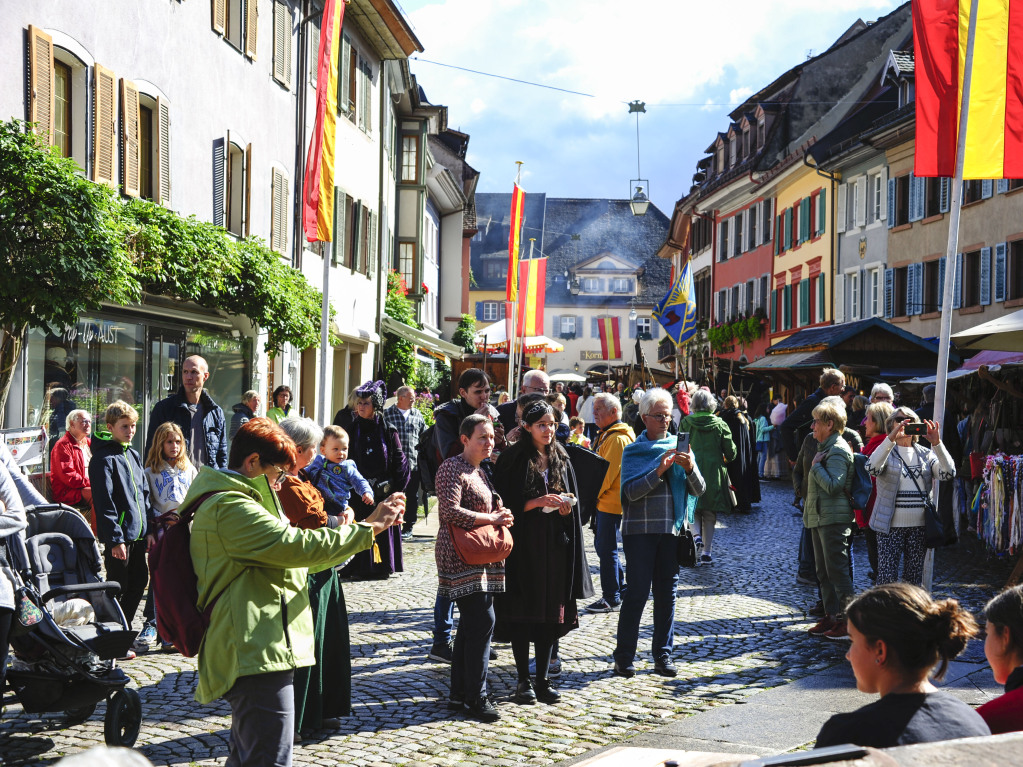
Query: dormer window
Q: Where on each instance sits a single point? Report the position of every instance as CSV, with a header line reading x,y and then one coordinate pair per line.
x,y
745,143
761,133
590,285
907,93
719,158
621,285
732,146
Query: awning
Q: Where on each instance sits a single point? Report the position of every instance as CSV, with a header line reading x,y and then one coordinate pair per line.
x,y
419,338
1001,334
791,361
992,360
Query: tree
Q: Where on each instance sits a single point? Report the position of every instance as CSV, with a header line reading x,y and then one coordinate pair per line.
x,y
58,244
465,333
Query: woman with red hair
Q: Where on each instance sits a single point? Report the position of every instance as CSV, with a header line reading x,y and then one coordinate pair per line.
x,y
252,566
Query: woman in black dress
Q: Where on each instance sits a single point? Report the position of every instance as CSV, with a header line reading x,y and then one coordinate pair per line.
x,y
547,570
377,452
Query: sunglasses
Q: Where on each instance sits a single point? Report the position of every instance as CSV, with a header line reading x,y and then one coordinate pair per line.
x,y
900,418
280,475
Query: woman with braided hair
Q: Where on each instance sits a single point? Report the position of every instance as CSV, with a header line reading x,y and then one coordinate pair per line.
x,y
547,570
377,452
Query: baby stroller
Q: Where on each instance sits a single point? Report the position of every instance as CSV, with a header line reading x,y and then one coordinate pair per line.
x,y
70,668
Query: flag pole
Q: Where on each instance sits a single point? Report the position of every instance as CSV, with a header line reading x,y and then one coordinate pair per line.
x,y
321,400
955,208
512,378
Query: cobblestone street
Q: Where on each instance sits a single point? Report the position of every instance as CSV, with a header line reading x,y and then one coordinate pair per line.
x,y
740,630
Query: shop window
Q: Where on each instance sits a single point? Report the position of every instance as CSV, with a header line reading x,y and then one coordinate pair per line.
x,y
230,364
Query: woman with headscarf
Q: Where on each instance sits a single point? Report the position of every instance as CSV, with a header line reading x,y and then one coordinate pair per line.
x,y
547,570
742,472
377,452
323,692
711,442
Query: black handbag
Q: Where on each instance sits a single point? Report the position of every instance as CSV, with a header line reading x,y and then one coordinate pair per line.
x,y
685,548
934,531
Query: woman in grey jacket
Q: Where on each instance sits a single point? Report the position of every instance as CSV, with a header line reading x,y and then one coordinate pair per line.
x,y
16,492
905,472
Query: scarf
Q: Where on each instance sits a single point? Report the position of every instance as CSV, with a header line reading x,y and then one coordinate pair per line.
x,y
643,456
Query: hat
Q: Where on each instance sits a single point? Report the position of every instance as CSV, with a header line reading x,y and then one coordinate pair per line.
x,y
375,391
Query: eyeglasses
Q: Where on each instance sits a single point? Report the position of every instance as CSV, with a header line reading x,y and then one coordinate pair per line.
x,y
900,418
538,389
658,416
280,475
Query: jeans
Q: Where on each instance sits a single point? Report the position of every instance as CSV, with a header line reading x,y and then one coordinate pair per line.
x,y
262,720
6,619
471,654
762,457
605,542
651,561
411,501
443,620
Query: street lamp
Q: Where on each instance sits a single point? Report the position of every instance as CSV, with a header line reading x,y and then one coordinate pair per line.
x,y
639,198
633,314
577,367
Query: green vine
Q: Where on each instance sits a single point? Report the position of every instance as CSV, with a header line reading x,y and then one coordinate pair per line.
x,y
465,333
744,330
399,355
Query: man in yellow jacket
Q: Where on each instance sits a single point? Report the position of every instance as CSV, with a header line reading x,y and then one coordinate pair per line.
x,y
611,440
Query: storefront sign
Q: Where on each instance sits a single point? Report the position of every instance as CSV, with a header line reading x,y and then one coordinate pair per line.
x,y
26,445
87,331
588,356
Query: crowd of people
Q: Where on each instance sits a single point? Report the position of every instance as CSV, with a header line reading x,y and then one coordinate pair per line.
x,y
285,510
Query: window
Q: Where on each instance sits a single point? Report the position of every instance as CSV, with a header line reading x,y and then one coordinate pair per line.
x,y
407,263
932,286
767,207
1014,271
410,159
733,303
644,329
703,297
751,286
753,216
154,149
761,133
366,94
145,152
621,285
490,311
737,234
352,70
237,21
971,279
231,183
722,306
901,276
313,54
567,326
731,152
745,142
62,107
723,240
932,196
901,201
495,269
590,285
702,230
853,280
876,199
282,43
1014,183
719,158
854,204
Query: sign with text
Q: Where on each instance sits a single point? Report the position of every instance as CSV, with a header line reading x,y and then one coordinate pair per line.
x,y
591,356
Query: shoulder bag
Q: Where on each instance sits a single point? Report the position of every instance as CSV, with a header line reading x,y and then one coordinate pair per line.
x,y
934,531
484,544
685,547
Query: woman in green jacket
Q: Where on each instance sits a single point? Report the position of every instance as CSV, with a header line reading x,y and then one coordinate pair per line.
x,y
281,404
253,565
711,442
828,515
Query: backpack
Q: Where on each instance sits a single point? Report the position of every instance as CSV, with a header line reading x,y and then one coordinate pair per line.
x,y
176,586
428,459
861,488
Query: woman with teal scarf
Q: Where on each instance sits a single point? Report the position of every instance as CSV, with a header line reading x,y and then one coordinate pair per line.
x,y
659,490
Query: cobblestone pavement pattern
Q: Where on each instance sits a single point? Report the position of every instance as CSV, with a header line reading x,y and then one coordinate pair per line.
x,y
740,629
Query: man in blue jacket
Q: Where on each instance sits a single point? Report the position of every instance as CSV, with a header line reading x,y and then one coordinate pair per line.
x,y
200,418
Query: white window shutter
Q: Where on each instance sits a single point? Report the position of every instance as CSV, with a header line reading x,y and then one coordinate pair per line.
x,y
861,201
742,299
839,309
884,186
840,213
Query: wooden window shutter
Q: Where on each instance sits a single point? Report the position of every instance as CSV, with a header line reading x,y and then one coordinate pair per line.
x,y
251,27
279,213
344,83
314,51
219,9
104,145
161,135
221,184
247,213
282,43
40,82
130,149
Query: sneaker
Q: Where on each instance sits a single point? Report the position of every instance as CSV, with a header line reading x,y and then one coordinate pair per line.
x,y
483,710
665,667
706,559
803,580
130,655
145,638
823,626
553,670
698,540
627,671
840,632
406,537
442,653
817,611
603,606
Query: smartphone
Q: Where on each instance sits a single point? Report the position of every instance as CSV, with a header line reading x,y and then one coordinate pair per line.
x,y
683,442
915,430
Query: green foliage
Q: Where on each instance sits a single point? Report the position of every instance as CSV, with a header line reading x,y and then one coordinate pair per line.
x,y
720,337
465,333
744,330
399,355
424,404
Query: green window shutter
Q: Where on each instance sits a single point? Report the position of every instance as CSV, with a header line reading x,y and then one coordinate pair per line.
x,y
787,307
804,302
774,311
821,302
787,227
822,212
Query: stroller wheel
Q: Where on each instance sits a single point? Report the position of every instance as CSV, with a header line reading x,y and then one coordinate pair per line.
x,y
123,719
79,715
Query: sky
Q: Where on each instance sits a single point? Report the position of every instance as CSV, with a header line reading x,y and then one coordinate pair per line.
x,y
690,61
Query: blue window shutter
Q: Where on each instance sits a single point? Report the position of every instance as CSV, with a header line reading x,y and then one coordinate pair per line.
x,y
655,327
985,276
1000,251
479,311
1003,185
557,326
944,195
822,211
889,293
891,204
941,282
957,293
580,331
987,188
917,191
219,182
911,290
594,329
918,298
632,328
774,311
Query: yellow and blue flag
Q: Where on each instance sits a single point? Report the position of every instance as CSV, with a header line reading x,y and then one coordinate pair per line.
x,y
677,311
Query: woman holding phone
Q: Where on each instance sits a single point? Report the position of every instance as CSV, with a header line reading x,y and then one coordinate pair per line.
x,y
660,484
547,570
904,471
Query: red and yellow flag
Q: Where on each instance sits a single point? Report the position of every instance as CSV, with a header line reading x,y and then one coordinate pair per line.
x,y
994,136
318,189
518,203
533,282
610,338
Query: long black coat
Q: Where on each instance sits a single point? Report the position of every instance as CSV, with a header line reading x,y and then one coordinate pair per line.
x,y
742,472
547,570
